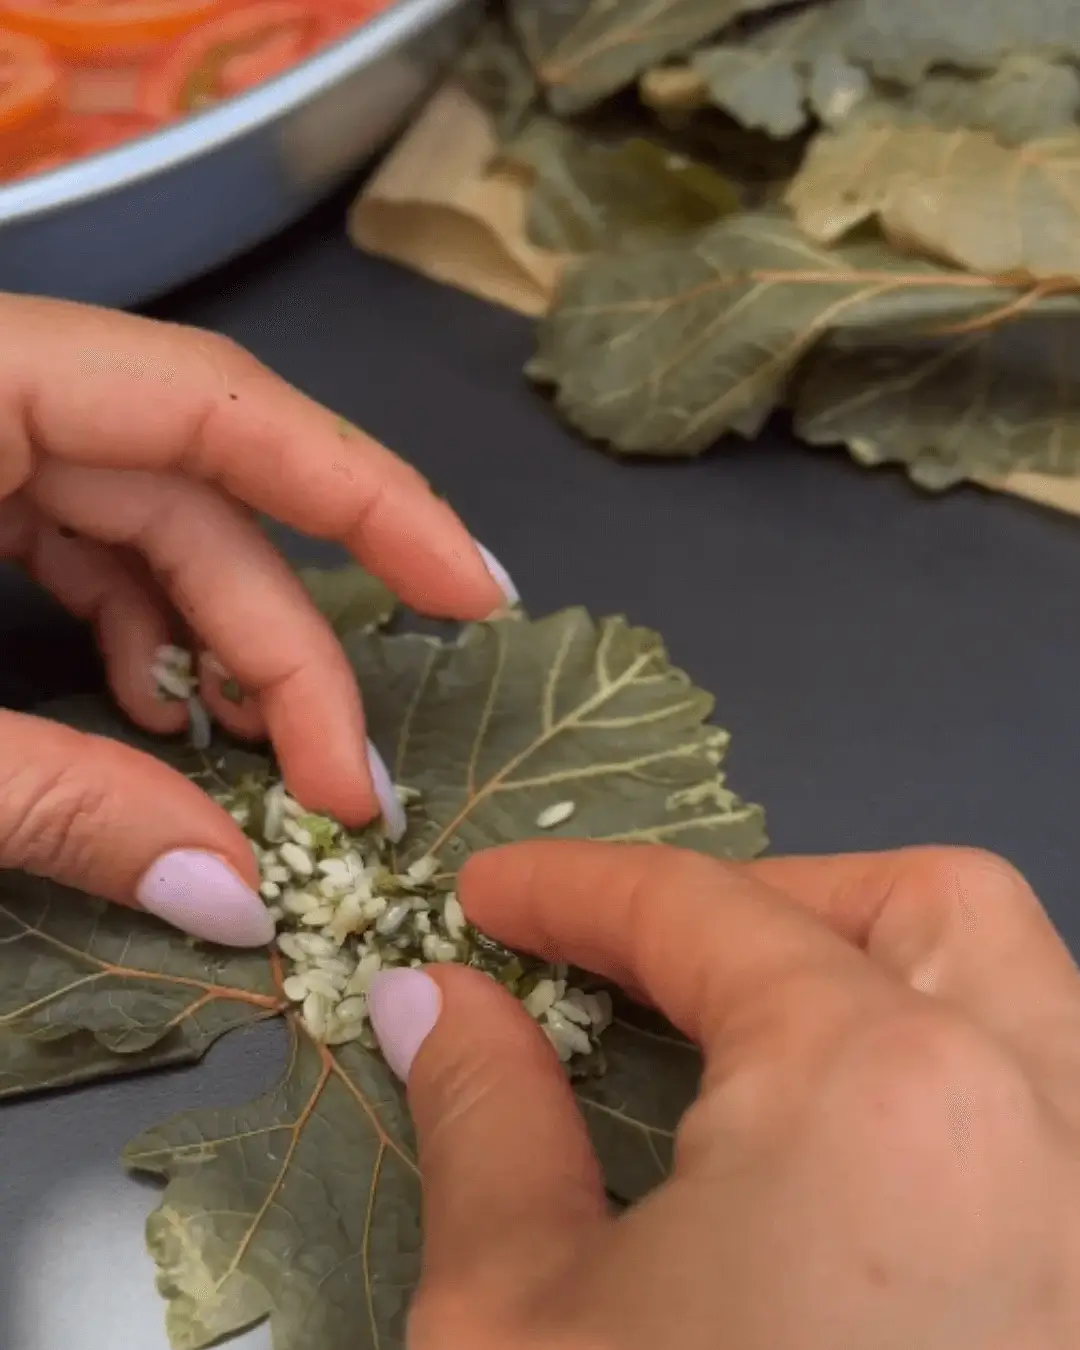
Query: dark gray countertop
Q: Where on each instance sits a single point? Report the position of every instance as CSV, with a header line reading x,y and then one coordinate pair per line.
x,y
894,669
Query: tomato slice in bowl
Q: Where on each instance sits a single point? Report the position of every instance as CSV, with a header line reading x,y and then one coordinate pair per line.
x,y
91,29
233,52
31,81
55,144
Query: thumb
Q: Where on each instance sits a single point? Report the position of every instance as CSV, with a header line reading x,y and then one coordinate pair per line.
x,y
99,816
510,1181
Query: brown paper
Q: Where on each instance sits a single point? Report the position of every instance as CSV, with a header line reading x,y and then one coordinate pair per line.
x,y
440,207
436,206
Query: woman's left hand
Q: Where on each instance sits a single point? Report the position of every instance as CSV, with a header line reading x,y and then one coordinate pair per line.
x,y
132,457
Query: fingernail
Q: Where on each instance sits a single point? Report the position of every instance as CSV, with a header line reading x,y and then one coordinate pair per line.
x,y
499,574
202,895
393,813
403,1005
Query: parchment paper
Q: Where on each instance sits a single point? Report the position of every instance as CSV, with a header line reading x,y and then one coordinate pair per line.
x,y
439,206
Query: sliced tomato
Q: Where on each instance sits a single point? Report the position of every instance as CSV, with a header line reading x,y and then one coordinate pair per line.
x,y
91,29
239,49
68,138
31,81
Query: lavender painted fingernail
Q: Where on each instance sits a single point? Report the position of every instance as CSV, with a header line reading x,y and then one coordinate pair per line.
x,y
499,574
393,813
202,895
404,1005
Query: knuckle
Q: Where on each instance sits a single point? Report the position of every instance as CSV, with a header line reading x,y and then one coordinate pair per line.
x,y
970,872
916,1072
53,824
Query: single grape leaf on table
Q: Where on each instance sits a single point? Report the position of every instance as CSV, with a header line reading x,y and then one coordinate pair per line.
x,y
588,194
304,1205
960,196
584,50
662,351
968,406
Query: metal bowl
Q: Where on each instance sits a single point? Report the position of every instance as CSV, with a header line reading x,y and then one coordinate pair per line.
x,y
121,227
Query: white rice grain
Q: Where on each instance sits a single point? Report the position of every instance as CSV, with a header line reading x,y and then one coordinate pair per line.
x,y
454,920
540,999
556,814
296,859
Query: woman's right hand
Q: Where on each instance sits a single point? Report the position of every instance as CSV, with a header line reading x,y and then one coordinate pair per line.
x,y
885,1152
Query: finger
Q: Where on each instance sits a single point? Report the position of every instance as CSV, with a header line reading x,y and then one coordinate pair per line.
x,y
98,388
129,617
229,704
236,592
510,1180
103,818
959,924
703,940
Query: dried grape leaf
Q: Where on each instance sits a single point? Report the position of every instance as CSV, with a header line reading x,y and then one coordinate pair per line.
x,y
516,716
304,1205
661,351
584,50
825,61
1028,97
495,72
776,78
349,596
29,1064
903,42
956,195
972,405
70,963
652,1066
588,194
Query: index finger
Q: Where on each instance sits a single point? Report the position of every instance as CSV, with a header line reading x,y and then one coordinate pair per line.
x,y
722,955
104,389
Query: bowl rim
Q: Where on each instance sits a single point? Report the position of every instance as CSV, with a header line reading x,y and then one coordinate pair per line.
x,y
146,156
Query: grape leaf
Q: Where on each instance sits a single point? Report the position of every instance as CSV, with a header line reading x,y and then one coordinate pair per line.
x,y
349,597
584,50
588,194
776,77
819,63
903,42
663,350
494,71
1026,98
634,1109
304,1205
971,405
957,195
513,718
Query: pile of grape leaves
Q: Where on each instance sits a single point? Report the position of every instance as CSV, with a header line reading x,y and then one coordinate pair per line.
x,y
865,213
303,1206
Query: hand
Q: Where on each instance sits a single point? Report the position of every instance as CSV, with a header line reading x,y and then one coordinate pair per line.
x,y
885,1152
131,456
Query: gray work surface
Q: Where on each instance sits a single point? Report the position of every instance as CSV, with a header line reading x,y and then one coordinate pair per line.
x,y
894,669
